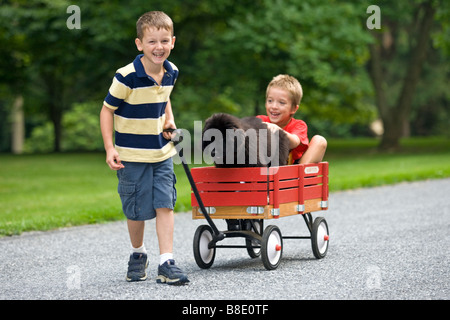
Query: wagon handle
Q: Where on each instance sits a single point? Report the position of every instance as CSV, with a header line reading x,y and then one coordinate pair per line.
x,y
178,135
176,140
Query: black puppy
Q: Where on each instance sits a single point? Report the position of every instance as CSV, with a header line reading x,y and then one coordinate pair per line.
x,y
246,142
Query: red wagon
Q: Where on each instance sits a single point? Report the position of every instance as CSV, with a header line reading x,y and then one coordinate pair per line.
x,y
245,197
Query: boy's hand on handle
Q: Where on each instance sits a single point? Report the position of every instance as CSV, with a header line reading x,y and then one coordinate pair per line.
x,y
113,160
169,126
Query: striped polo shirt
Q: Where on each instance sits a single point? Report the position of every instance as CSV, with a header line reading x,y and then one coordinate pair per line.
x,y
139,105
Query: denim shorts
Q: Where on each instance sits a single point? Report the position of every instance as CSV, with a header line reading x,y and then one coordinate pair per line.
x,y
145,187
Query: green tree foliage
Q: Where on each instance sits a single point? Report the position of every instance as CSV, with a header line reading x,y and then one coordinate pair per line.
x,y
228,60
315,41
227,51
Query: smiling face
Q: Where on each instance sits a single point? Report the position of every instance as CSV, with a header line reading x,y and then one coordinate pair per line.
x,y
156,44
279,106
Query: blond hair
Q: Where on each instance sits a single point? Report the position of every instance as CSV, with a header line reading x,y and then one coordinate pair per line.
x,y
289,83
155,19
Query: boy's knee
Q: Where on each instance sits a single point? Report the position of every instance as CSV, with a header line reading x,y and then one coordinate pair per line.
x,y
320,141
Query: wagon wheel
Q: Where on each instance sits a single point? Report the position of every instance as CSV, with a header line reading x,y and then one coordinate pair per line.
x,y
203,255
319,237
271,247
257,227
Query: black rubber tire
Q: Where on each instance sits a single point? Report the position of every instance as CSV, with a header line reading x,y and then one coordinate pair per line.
x,y
252,252
204,257
320,237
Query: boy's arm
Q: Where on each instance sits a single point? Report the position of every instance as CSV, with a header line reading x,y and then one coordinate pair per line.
x,y
294,140
107,127
170,121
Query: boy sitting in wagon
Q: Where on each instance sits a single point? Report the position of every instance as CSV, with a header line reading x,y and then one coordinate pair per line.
x,y
283,97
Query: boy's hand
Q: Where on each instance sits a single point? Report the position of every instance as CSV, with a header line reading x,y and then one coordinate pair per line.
x,y
294,140
272,127
113,160
169,125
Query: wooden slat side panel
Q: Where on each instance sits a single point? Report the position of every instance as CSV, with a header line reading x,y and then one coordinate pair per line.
x,y
312,192
287,184
212,174
288,195
285,172
231,186
312,181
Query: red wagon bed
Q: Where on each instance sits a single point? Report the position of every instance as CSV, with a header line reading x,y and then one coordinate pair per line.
x,y
261,193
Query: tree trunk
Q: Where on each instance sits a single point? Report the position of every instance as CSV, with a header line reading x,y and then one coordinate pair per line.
x,y
18,126
55,104
395,115
392,134
56,117
412,77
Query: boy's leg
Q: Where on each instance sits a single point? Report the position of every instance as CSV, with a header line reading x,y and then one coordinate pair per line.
x,y
164,198
164,229
164,195
138,262
136,231
132,205
168,272
316,150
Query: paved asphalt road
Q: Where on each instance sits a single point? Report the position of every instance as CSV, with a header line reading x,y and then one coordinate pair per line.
x,y
387,242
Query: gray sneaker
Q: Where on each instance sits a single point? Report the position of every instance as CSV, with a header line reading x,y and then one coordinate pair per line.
x,y
137,266
171,274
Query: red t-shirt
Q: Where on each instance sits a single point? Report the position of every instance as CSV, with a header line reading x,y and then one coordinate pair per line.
x,y
300,129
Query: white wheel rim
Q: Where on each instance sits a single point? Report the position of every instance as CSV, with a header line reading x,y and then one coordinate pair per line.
x,y
322,238
205,253
274,243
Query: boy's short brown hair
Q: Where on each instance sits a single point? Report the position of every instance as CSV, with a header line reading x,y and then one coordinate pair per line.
x,y
289,83
155,19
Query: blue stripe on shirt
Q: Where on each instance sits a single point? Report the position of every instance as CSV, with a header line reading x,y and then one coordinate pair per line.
x,y
141,111
140,141
113,101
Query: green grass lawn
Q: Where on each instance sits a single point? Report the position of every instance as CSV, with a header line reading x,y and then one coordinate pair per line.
x,y
43,192
357,163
